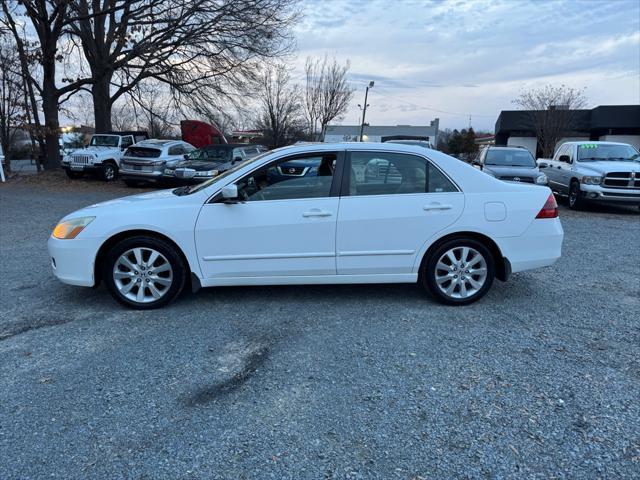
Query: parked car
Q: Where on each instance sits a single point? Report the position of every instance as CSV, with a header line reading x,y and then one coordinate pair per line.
x,y
102,156
512,164
145,162
446,225
210,161
606,172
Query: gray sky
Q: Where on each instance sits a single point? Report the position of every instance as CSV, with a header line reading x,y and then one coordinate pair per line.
x,y
452,59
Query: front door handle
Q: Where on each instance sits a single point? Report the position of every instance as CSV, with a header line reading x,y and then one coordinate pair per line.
x,y
316,213
437,206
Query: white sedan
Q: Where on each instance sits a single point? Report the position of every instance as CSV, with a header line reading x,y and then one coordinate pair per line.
x,y
315,214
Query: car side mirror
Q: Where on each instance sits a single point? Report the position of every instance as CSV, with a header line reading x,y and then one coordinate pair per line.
x,y
237,159
564,158
543,165
230,193
185,172
185,156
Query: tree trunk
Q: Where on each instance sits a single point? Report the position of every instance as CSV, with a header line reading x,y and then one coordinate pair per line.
x,y
102,104
51,120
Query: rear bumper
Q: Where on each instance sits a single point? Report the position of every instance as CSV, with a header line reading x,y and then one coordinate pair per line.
x,y
129,174
73,260
539,246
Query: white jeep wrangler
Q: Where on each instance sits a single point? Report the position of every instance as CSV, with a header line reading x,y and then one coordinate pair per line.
x,y
102,155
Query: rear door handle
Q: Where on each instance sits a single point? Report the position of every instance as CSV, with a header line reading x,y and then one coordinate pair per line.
x,y
316,213
437,206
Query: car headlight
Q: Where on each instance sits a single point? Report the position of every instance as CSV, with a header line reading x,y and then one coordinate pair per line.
x,y
159,162
542,179
69,229
587,180
66,159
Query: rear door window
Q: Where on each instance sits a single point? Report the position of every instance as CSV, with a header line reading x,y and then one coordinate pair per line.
x,y
384,173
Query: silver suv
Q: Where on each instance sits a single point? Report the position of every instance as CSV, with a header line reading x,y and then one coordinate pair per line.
x,y
146,161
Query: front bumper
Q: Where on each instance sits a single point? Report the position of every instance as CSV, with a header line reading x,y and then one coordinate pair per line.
x,y
597,193
83,168
73,261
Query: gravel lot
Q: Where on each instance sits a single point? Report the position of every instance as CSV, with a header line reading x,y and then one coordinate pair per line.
x,y
541,379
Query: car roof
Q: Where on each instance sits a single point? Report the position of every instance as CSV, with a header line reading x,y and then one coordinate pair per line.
x,y
506,147
154,142
587,142
354,146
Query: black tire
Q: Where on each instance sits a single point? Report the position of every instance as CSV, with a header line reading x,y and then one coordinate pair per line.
x,y
427,277
178,279
131,183
576,202
109,172
73,175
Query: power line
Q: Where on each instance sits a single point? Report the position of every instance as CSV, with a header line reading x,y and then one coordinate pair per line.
x,y
431,108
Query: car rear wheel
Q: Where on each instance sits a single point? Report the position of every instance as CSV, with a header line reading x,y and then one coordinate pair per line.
x,y
144,272
109,172
458,272
575,197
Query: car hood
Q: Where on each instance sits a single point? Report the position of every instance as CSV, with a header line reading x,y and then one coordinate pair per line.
x,y
92,150
152,199
602,168
500,171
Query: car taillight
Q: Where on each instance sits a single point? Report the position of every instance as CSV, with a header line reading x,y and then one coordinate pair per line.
x,y
549,209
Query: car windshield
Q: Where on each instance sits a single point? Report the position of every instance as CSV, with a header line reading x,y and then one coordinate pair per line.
x,y
104,141
594,152
196,188
510,158
222,154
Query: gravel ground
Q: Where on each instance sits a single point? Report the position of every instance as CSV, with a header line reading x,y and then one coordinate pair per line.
x,y
541,379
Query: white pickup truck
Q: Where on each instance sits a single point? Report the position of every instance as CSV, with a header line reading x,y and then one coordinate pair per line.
x,y
102,155
594,171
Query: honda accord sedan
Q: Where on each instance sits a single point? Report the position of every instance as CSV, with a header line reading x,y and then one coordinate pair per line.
x,y
369,213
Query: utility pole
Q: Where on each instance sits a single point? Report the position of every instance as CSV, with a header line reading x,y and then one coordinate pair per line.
x,y
364,109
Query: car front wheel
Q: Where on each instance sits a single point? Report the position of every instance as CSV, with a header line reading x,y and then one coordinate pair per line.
x,y
109,172
144,272
458,272
575,197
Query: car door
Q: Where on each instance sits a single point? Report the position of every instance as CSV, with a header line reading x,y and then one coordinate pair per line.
x,y
566,169
552,171
286,228
392,204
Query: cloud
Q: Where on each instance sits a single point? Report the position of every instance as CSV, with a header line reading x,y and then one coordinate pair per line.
x,y
474,56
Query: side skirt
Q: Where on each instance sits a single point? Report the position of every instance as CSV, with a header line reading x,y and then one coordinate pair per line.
x,y
311,280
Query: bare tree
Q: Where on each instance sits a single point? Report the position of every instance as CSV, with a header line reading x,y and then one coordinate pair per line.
x,y
12,106
281,115
203,47
552,113
49,19
327,93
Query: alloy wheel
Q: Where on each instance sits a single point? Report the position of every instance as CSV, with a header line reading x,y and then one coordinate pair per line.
x,y
461,272
142,275
109,173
